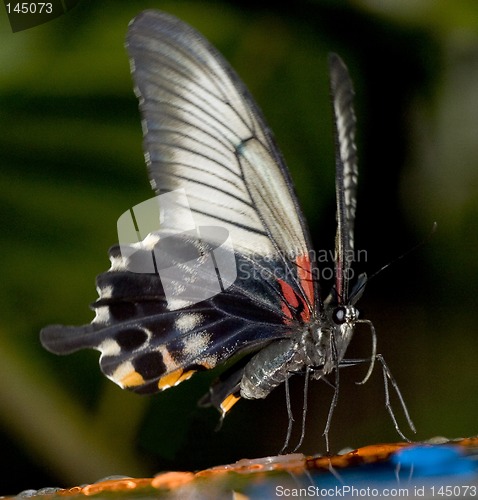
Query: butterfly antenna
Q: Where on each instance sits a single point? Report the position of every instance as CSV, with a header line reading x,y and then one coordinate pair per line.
x,y
406,253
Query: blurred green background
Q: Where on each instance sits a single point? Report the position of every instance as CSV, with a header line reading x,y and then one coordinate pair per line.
x,y
71,162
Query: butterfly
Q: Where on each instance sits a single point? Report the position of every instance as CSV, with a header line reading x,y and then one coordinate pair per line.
x,y
243,282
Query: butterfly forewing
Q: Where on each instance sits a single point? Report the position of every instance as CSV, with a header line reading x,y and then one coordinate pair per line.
x,y
204,133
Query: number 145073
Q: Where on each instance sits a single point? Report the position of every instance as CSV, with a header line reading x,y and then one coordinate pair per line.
x,y
30,7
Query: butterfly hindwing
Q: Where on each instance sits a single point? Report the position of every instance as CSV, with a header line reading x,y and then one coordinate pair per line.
x,y
146,347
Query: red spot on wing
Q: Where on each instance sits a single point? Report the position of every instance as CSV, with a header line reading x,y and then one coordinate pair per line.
x,y
291,299
304,272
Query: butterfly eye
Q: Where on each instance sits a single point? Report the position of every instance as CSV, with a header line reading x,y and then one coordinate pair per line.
x,y
339,315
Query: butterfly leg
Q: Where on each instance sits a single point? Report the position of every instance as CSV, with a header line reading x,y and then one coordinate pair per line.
x,y
304,407
289,411
289,415
388,377
335,397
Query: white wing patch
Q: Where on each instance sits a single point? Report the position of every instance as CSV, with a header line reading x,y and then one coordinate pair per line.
x,y
102,313
197,343
109,347
188,321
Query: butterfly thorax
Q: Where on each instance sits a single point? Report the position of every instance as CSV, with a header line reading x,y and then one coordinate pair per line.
x,y
319,346
333,337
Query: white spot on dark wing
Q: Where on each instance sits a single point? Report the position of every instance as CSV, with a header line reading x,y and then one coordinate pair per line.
x,y
109,347
118,263
196,344
102,315
188,321
105,292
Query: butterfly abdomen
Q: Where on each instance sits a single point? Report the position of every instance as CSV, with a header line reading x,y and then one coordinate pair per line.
x,y
270,367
